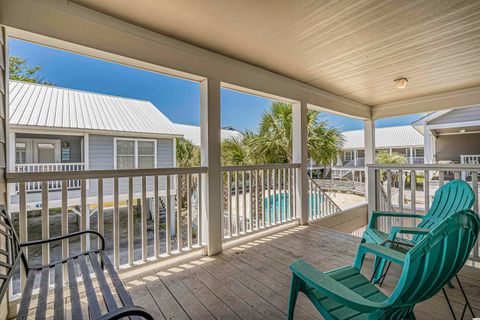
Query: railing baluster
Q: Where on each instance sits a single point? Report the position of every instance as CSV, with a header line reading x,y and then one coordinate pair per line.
x,y
284,212
229,199
269,204
64,224
168,212
413,189
426,189
237,204
131,223
256,225
179,214
244,201
23,225
400,194
441,178
250,189
199,218
144,218
156,218
189,211
262,196
116,225
45,223
85,215
290,193
101,219
274,184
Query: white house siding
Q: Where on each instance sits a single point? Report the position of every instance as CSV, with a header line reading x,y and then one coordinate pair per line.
x,y
450,147
101,157
458,115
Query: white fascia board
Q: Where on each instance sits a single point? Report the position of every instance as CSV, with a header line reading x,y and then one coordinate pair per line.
x,y
68,26
81,132
453,125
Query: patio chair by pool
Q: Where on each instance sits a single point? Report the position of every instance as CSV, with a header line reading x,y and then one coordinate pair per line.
x,y
345,293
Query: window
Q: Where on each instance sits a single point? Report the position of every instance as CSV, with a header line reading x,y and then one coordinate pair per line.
x,y
135,154
348,155
20,152
418,152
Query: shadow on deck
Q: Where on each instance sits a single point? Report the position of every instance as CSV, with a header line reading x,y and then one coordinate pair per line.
x,y
251,281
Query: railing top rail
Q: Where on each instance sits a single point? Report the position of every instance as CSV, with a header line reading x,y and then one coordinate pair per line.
x,y
260,167
434,167
48,163
95,174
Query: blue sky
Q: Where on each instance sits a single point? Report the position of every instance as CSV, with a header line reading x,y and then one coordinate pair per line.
x,y
178,99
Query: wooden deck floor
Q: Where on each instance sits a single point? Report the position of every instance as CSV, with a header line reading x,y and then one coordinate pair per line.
x,y
252,281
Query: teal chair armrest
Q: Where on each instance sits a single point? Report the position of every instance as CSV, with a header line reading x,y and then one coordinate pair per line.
x,y
376,214
333,289
406,230
379,251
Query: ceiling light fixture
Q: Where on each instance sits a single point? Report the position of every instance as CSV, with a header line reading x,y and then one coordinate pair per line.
x,y
401,83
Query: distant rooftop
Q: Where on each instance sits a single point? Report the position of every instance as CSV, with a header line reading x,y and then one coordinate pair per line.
x,y
42,106
400,136
192,133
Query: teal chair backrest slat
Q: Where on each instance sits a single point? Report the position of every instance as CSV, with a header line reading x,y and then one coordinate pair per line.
x,y
454,196
436,258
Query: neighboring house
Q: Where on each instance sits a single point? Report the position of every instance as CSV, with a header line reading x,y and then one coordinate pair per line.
x,y
451,136
58,129
404,140
192,133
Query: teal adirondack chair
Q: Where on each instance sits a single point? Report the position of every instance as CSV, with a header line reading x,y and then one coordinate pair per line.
x,y
454,196
345,293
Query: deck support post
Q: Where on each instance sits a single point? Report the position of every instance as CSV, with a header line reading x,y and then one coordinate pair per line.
x,y
300,155
369,136
212,195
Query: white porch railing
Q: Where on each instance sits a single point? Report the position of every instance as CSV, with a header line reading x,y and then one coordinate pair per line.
x,y
49,167
257,197
109,209
319,202
410,188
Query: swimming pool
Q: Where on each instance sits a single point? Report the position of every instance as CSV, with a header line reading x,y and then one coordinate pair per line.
x,y
282,205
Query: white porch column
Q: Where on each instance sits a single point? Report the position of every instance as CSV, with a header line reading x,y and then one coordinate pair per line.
x,y
299,149
369,136
212,194
411,155
428,146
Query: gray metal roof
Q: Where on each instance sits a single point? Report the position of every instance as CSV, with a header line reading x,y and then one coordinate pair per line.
x,y
192,133
401,136
43,106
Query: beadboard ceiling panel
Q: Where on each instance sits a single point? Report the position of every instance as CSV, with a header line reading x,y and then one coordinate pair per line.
x,y
351,48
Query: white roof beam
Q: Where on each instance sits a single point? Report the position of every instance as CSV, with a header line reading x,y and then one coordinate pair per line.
x,y
449,100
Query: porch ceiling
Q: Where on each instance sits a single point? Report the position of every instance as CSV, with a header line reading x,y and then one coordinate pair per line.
x,y
354,49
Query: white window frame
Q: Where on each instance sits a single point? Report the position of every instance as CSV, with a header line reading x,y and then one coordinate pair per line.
x,y
135,151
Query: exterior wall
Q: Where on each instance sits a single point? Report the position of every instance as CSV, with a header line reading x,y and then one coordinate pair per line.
x,y
458,115
101,152
450,147
75,143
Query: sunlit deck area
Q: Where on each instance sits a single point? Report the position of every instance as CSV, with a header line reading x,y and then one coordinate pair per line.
x,y
251,280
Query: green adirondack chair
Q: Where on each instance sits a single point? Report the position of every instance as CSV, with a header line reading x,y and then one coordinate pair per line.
x,y
345,293
454,196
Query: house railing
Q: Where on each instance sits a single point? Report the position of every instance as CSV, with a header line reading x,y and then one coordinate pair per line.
x,y
410,188
256,197
145,214
320,204
49,167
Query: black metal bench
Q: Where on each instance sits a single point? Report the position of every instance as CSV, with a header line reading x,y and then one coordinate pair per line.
x,y
114,302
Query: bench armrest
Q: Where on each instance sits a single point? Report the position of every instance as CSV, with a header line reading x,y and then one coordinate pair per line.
x,y
332,288
127,311
70,235
379,251
376,214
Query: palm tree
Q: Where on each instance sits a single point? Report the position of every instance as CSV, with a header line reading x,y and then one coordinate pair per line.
x,y
188,155
390,158
273,143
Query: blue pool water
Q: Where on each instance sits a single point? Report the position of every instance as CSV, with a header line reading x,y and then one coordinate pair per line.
x,y
281,206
